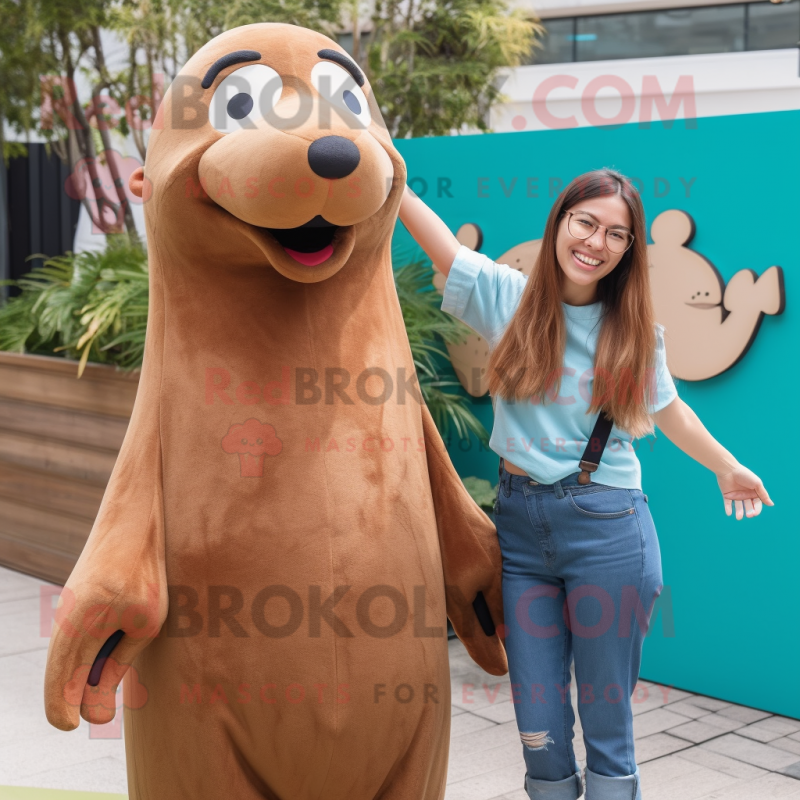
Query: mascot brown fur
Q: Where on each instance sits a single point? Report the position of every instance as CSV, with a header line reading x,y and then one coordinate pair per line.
x,y
283,534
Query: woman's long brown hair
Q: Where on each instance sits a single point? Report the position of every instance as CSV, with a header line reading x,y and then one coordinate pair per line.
x,y
528,360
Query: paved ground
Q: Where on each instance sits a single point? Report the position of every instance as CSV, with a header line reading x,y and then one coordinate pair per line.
x,y
688,747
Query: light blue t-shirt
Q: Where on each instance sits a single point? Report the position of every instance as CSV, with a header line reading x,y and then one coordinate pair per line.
x,y
547,440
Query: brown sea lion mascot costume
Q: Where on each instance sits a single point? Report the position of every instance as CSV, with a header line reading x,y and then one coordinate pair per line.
x,y
283,534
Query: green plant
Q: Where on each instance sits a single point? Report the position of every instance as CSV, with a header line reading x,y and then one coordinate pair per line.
x,y
89,305
481,491
94,306
435,64
427,326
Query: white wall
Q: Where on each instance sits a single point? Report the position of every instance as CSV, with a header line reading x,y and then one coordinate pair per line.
x,y
574,8
711,85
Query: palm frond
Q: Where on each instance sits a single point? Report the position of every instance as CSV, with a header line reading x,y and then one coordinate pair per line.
x,y
84,306
93,307
429,328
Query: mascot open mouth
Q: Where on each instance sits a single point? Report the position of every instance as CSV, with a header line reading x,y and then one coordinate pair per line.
x,y
309,244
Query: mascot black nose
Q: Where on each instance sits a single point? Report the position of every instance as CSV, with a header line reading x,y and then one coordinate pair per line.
x,y
333,157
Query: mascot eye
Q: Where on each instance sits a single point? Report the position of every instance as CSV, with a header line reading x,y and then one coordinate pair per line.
x,y
244,96
339,88
240,105
351,101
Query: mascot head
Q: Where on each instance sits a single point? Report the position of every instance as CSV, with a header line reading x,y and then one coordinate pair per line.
x,y
270,145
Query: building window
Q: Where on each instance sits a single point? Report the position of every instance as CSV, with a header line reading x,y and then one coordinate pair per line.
x,y
670,32
773,26
557,42
346,41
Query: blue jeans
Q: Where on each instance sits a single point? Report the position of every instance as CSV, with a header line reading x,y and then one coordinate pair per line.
x,y
581,572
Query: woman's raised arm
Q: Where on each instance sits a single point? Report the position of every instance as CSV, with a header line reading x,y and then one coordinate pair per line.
x,y
430,232
739,486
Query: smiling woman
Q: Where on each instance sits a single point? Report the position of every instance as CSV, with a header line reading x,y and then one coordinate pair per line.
x,y
576,358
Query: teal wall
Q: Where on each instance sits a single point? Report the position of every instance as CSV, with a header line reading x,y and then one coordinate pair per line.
x,y
735,585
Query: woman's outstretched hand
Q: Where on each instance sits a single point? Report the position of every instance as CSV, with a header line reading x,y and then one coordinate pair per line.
x,y
744,489
738,485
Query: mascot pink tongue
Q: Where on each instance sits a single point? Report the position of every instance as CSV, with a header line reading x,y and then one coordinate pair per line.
x,y
311,259
281,561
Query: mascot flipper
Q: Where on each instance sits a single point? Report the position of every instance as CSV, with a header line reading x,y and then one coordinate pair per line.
x,y
118,584
470,554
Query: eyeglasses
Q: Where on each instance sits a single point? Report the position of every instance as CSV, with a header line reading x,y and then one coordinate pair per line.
x,y
582,226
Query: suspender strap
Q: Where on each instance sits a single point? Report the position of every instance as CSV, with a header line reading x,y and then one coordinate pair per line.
x,y
594,447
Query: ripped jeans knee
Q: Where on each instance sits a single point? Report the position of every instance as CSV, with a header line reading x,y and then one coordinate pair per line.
x,y
536,741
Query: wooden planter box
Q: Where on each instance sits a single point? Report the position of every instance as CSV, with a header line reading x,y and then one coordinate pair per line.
x,y
59,440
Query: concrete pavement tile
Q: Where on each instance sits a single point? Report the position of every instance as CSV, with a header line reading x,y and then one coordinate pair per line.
x,y
721,763
16,586
656,721
17,679
457,652
666,768
465,673
466,666
476,764
21,701
757,733
784,726
486,786
726,724
37,658
670,693
672,777
689,708
500,712
474,695
761,755
472,673
793,770
658,745
647,698
697,731
769,786
786,743
744,713
496,736
59,750
468,723
709,703
19,620
105,774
